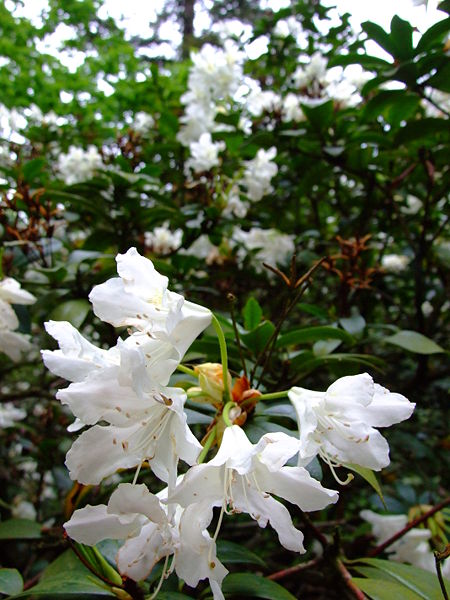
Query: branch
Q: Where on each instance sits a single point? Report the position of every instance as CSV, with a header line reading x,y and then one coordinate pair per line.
x,y
379,549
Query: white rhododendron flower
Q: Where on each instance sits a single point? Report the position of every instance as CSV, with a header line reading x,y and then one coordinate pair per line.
x,y
259,172
271,246
242,476
139,298
163,240
204,154
136,515
12,343
78,164
339,424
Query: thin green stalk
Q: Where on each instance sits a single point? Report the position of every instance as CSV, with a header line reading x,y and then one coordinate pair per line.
x,y
225,414
208,443
273,395
187,370
223,357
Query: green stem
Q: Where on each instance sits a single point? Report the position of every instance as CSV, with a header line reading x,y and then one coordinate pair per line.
x,y
208,443
187,370
226,410
223,357
273,396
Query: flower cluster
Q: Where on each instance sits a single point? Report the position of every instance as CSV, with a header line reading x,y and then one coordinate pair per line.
x,y
134,419
79,165
266,245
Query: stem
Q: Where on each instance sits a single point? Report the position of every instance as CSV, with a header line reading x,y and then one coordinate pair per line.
x,y
225,414
223,357
295,569
273,395
232,298
207,445
379,549
441,579
357,593
186,370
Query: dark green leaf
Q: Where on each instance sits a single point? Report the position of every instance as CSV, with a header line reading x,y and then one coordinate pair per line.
x,y
434,35
257,339
384,590
19,529
369,476
401,34
11,581
414,342
380,36
320,116
67,577
252,313
254,586
230,552
74,311
313,334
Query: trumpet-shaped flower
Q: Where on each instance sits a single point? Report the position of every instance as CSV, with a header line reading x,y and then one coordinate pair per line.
x,y
139,298
151,533
242,477
339,424
124,387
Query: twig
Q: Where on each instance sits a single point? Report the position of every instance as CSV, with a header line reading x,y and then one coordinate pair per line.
x,y
357,593
438,559
295,569
379,549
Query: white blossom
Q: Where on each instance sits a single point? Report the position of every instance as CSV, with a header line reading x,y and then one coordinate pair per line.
x,y
142,123
204,154
270,246
258,173
339,424
162,240
78,164
9,414
395,263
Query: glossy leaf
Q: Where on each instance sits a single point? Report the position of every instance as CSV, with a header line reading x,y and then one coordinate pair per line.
x,y
414,342
313,334
11,581
253,586
230,552
74,311
252,314
22,529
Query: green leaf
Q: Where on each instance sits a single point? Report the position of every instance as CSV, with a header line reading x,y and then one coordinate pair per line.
x,y
423,583
369,476
353,325
254,586
21,529
380,36
252,313
386,590
11,581
258,338
74,311
67,577
32,168
414,342
313,334
434,35
230,552
401,34
319,116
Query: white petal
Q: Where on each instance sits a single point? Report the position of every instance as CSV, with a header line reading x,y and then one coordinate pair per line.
x,y
8,317
194,319
92,524
236,450
350,391
137,557
201,482
387,408
128,498
305,402
196,558
13,344
296,485
275,449
368,449
11,292
264,509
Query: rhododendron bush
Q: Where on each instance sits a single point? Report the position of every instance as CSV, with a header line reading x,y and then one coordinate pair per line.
x,y
223,308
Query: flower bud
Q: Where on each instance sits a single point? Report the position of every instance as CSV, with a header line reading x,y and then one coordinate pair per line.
x,y
210,378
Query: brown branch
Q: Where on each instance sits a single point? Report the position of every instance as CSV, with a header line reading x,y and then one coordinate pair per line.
x,y
295,569
357,593
379,549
